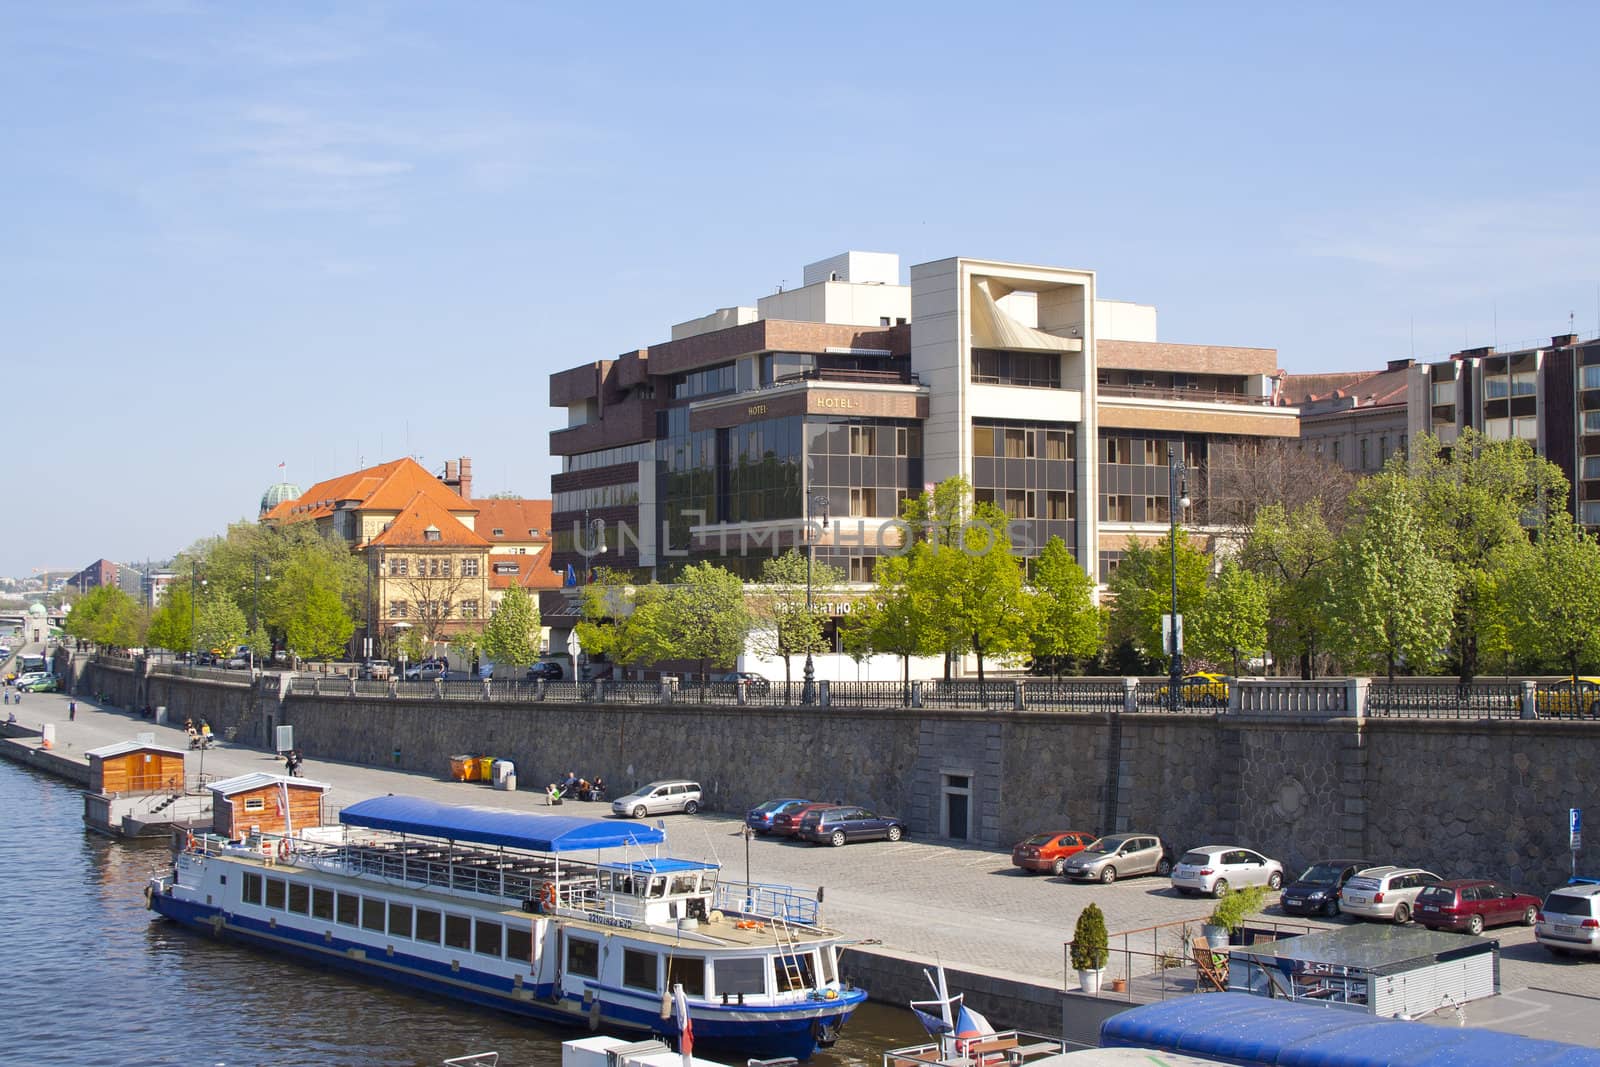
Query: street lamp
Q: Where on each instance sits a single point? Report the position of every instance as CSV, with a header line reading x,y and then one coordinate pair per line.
x,y
194,594
1177,498
818,502
255,579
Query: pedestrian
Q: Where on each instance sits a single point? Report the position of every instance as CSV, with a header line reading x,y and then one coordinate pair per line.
x,y
72,711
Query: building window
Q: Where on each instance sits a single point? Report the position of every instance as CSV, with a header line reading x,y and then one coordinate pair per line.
x,y
1496,387
428,925
458,932
1019,444
489,940
1591,422
1591,512
1383,449
431,534
399,566
1444,393
1591,377
1526,427
1017,501
469,609
444,567
1057,445
583,957
1525,383
983,440
1497,429
861,439
398,609
1058,505
689,972
1405,445
861,568
254,804
469,568
1591,468
498,532
639,969
1031,369
1365,457
252,888
1119,509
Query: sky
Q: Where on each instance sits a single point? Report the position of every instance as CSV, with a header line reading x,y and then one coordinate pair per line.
x,y
327,235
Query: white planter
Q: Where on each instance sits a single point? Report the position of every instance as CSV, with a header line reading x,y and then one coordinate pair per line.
x,y
1216,936
1089,981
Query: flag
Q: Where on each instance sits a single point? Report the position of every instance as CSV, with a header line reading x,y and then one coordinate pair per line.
x,y
572,575
685,1026
280,466
970,1024
932,1023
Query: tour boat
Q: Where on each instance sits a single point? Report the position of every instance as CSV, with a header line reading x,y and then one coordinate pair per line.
x,y
488,906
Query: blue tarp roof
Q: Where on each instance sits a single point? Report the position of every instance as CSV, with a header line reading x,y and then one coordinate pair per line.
x,y
1244,1028
661,866
496,826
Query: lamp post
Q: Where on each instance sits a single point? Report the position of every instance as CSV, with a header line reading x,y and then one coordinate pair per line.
x,y
194,594
818,502
1177,499
255,579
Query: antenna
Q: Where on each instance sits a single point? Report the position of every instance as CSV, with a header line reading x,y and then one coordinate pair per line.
x,y
1496,306
1413,335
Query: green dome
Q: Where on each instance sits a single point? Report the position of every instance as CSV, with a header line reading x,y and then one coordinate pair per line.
x,y
277,493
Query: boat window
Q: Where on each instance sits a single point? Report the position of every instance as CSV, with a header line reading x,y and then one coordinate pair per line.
x,y
683,883
519,944
275,893
825,954
349,909
299,898
658,886
322,904
639,969
252,888
742,975
428,925
489,940
399,920
583,957
796,972
689,972
372,917
458,932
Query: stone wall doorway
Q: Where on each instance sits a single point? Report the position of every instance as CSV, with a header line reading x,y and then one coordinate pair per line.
x,y
956,809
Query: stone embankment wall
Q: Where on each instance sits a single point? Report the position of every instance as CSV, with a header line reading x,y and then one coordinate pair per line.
x,y
1463,797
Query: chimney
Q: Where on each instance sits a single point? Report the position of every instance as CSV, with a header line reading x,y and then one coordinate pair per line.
x,y
1401,364
449,472
466,478
1563,340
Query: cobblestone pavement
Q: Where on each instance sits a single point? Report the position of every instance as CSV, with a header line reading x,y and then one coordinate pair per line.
x,y
965,907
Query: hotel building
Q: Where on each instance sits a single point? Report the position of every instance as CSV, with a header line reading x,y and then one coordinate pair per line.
x,y
859,389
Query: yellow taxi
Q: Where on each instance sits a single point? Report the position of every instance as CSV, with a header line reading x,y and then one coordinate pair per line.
x,y
1202,687
1566,698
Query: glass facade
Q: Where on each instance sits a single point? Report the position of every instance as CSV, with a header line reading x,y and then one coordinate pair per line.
x,y
1030,471
864,467
609,457
1134,476
1039,370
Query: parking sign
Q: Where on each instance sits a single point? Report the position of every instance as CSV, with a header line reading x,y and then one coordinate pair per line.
x,y
1575,828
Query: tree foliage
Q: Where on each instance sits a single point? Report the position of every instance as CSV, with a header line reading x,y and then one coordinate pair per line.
x,y
784,625
511,636
1231,623
890,619
1556,587
1065,624
219,625
169,622
704,617
1294,553
1142,588
107,617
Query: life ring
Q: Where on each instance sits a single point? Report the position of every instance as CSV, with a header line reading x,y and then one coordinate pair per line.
x,y
283,849
188,841
547,894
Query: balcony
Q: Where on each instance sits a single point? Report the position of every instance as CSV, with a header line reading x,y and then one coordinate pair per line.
x,y
1183,396
858,377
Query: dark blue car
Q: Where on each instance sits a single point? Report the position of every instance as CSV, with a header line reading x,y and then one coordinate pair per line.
x,y
759,818
837,825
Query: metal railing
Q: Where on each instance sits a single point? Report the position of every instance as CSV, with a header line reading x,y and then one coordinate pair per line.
x,y
1074,695
1193,396
1413,701
207,674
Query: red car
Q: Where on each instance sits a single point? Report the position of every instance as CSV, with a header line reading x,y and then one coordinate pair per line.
x,y
1049,852
786,824
1471,904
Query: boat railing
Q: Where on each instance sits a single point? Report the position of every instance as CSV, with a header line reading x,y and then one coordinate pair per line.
x,y
1010,1048
766,900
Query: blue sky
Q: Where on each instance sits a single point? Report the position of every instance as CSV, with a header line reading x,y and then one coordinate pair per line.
x,y
319,234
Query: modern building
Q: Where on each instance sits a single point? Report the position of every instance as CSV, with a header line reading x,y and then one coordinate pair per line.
x,y
857,390
103,572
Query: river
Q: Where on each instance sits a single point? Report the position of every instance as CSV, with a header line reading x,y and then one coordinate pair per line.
x,y
91,977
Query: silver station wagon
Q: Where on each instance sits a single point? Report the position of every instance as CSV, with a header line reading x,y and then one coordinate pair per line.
x,y
1118,856
678,794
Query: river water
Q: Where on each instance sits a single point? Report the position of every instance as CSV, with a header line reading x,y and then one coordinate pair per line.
x,y
90,977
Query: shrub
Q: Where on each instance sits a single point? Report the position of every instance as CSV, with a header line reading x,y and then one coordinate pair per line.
x,y
1236,905
1089,947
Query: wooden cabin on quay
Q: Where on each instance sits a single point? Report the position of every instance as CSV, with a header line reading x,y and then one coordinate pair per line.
x,y
136,789
261,803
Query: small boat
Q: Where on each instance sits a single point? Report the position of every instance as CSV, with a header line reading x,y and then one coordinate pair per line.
x,y
962,1037
489,906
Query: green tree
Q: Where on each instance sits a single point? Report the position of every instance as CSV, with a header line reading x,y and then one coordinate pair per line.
x,y
1232,620
1475,498
1066,624
219,625
889,619
1142,591
107,617
319,627
784,625
169,623
622,622
704,618
1394,595
1294,553
511,637
1557,589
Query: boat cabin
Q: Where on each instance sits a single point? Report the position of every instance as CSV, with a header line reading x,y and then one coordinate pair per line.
x,y
130,767
659,892
262,803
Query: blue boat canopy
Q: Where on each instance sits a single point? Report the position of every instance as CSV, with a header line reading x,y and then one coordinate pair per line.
x,y
496,826
660,866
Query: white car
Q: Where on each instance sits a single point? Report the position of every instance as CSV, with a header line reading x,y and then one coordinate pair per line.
x,y
657,797
1570,920
1386,892
1215,869
30,678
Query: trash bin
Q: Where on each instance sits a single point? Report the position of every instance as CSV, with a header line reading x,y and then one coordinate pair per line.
x,y
505,774
461,768
161,714
485,771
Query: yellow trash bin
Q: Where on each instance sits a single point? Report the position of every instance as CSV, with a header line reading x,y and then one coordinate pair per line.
x,y
462,768
485,769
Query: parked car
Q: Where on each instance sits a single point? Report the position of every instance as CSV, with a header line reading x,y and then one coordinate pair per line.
x,y
755,684
759,818
237,662
1564,698
1202,687
1214,869
376,670
1118,856
550,671
22,681
427,670
208,659
786,823
844,822
1386,892
1570,920
1470,904
1049,851
677,794
48,684
1320,887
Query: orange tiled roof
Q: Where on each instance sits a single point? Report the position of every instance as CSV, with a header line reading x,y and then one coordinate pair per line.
x,y
533,572
515,517
386,487
420,515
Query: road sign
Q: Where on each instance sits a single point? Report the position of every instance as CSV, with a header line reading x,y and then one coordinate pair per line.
x,y
1574,828
573,648
1167,644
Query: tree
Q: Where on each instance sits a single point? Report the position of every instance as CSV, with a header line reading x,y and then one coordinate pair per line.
x,y
704,618
784,624
169,623
1294,553
889,619
1142,588
1245,476
511,637
108,617
307,604
220,625
1394,595
432,597
1556,587
1066,623
1475,498
622,622
1232,620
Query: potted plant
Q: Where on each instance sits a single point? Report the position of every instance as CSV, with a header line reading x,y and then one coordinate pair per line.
x,y
1089,948
1230,912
